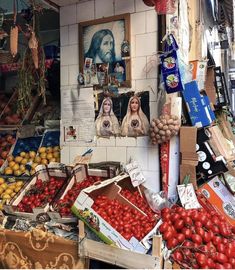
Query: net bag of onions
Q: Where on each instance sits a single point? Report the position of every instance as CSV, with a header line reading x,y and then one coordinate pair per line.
x,y
163,128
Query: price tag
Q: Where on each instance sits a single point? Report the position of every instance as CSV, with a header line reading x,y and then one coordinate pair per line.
x,y
187,196
135,173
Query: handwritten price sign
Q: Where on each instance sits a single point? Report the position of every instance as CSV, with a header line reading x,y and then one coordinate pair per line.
x,y
135,173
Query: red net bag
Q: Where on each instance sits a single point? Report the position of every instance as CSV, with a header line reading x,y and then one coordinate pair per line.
x,y
165,6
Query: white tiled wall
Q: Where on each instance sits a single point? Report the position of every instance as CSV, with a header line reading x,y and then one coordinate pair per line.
x,y
144,76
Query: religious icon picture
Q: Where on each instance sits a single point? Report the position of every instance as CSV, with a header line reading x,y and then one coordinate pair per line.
x,y
101,42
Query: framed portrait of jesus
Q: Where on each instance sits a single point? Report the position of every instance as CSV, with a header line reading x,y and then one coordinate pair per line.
x,y
104,51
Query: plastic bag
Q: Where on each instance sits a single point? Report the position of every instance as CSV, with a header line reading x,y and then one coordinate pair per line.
x,y
157,201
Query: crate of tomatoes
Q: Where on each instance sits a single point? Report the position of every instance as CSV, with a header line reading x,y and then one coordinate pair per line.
x,y
40,191
115,212
82,177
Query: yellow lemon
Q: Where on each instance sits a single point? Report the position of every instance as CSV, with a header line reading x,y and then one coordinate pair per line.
x,y
8,171
49,156
2,180
16,167
18,159
56,148
49,149
4,186
34,165
22,167
37,159
6,196
22,154
44,161
32,154
43,155
11,164
1,190
17,172
17,189
12,186
24,161
8,191
27,155
42,150
53,159
56,154
19,183
13,194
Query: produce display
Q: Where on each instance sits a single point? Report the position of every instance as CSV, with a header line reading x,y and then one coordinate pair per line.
x,y
129,222
8,190
39,194
162,129
198,239
9,114
24,152
63,206
6,142
138,201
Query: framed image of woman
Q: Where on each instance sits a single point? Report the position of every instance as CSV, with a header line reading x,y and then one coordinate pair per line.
x,y
102,40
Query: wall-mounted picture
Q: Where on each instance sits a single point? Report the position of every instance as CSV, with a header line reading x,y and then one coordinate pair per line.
x,y
70,133
122,115
101,42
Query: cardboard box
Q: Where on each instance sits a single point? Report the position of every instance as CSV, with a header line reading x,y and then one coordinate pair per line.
x,y
44,173
83,209
218,196
189,157
79,173
198,109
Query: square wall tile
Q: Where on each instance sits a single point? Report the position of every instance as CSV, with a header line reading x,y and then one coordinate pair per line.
x,y
76,151
85,11
68,15
116,154
138,23
111,141
140,6
153,158
99,154
152,66
133,45
138,68
147,85
142,141
153,109
104,8
146,44
140,154
151,21
73,54
64,35
64,55
122,7
73,34
73,74
125,141
153,180
65,153
64,75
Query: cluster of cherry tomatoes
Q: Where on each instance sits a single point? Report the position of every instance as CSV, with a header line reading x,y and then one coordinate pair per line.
x,y
198,239
40,194
63,206
138,201
126,220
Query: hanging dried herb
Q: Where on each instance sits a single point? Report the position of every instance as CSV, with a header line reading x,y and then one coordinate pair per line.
x,y
32,74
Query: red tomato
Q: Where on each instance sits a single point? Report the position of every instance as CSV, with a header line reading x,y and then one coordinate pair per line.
x,y
187,233
179,224
197,239
180,237
201,258
172,242
177,255
220,257
228,266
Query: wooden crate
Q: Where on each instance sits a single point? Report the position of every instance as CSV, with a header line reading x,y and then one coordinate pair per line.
x,y
90,249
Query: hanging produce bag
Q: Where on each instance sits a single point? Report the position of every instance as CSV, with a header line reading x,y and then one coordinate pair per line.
x,y
170,67
165,6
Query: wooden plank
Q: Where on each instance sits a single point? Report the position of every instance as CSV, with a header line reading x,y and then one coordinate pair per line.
x,y
116,256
